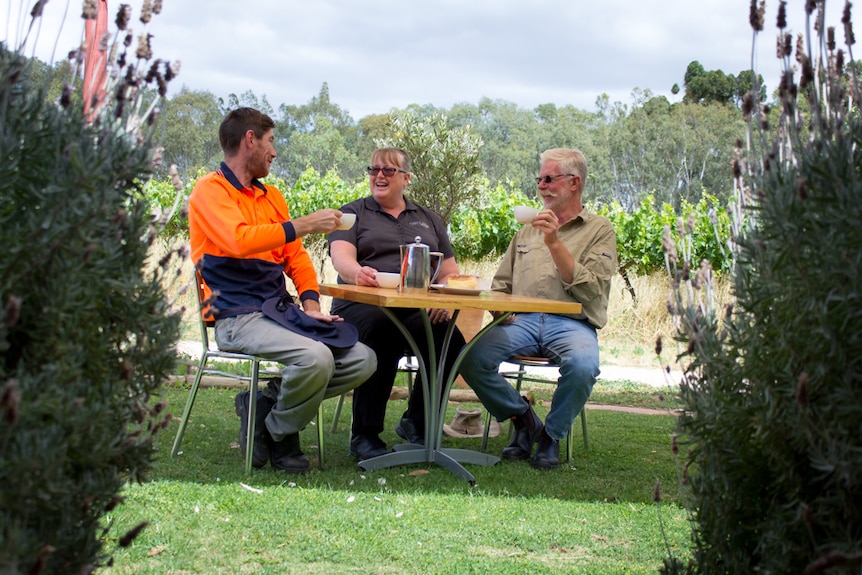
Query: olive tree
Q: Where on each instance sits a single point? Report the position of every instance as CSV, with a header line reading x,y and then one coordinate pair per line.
x,y
447,172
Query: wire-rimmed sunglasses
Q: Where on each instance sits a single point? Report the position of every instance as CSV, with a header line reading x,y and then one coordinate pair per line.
x,y
549,179
388,172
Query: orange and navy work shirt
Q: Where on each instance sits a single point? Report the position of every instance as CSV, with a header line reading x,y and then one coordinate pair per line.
x,y
247,243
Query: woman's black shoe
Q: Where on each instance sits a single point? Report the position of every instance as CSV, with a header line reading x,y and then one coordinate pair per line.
x,y
365,447
406,430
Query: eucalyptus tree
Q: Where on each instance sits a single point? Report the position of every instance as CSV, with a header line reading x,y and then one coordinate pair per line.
x,y
705,139
318,134
510,138
628,144
189,132
714,86
570,127
370,130
249,99
673,152
702,86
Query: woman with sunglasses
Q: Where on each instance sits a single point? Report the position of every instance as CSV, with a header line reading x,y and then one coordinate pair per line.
x,y
385,220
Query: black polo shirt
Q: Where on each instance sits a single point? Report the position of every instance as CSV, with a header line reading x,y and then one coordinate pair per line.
x,y
378,236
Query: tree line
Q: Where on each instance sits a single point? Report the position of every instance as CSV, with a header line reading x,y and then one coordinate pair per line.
x,y
673,152
648,147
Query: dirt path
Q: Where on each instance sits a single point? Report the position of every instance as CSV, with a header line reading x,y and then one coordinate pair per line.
x,y
653,376
625,409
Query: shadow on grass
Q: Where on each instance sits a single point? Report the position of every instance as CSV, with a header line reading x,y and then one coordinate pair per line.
x,y
628,454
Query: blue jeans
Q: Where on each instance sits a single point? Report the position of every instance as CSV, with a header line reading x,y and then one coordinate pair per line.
x,y
573,344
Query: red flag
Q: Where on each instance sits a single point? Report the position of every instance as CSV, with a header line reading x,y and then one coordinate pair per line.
x,y
95,65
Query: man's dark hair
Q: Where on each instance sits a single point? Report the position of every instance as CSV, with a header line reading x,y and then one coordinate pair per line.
x,y
235,125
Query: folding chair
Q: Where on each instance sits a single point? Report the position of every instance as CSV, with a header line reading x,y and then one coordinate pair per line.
x,y
519,377
252,378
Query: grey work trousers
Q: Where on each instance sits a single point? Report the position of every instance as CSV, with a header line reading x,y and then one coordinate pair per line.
x,y
311,371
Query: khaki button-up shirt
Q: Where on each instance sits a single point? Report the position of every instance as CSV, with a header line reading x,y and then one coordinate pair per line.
x,y
527,267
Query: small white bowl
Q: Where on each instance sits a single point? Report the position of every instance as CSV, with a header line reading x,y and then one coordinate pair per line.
x,y
347,221
388,280
525,214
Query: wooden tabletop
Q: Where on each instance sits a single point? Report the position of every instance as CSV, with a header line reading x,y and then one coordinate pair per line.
x,y
486,300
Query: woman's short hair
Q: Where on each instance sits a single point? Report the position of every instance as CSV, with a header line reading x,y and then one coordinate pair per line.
x,y
395,156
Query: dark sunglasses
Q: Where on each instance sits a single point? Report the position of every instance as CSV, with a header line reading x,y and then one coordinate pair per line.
x,y
549,179
388,172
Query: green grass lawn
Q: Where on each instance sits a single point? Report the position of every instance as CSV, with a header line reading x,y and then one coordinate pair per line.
x,y
595,514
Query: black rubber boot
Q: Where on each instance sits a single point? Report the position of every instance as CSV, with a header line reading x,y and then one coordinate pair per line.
x,y
260,450
286,455
528,426
547,453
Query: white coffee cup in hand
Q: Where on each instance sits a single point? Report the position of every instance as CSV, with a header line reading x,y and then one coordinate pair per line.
x,y
347,221
525,214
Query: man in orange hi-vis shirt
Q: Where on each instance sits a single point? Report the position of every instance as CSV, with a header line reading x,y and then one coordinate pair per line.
x,y
244,241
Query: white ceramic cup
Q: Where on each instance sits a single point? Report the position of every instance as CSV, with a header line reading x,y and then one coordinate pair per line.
x,y
525,214
347,221
388,280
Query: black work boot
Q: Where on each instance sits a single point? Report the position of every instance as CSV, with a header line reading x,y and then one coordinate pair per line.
x,y
286,455
260,449
547,453
528,426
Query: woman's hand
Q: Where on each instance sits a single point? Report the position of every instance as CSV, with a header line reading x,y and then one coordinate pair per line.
x,y
438,315
366,276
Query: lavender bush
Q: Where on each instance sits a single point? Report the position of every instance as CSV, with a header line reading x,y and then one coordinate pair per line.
x,y
87,334
773,383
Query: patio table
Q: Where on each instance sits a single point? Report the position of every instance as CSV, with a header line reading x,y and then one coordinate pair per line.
x,y
433,451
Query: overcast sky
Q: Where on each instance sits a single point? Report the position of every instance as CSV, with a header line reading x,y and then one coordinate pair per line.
x,y
376,55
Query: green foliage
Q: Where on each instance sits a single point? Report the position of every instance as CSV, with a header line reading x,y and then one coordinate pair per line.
x,y
87,335
707,86
714,86
189,129
511,138
475,232
318,135
311,192
675,152
167,206
447,174
485,229
773,384
639,233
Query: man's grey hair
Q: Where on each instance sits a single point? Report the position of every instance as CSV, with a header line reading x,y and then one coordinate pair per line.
x,y
569,161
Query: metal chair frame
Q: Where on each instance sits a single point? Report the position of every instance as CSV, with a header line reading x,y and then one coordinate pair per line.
x,y
254,374
521,376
